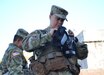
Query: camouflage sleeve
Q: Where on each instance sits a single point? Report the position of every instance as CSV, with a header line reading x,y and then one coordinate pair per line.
x,y
36,40
15,63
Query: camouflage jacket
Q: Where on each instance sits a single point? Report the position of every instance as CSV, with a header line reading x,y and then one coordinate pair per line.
x,y
36,40
13,60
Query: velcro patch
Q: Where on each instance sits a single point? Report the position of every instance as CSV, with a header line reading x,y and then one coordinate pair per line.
x,y
15,53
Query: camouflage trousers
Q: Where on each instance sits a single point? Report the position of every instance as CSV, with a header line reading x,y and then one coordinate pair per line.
x,y
60,73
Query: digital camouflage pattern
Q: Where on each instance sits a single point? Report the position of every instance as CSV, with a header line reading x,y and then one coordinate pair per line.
x,y
36,40
13,61
58,11
22,33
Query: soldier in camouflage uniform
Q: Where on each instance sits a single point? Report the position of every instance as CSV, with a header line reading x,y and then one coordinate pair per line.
x,y
50,60
14,62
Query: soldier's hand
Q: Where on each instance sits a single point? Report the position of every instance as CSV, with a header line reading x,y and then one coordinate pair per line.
x,y
52,30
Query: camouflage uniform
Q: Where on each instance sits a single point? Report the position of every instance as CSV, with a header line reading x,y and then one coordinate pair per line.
x,y
34,41
14,61
50,60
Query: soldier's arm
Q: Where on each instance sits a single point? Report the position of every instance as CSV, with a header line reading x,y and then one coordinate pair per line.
x,y
36,40
15,64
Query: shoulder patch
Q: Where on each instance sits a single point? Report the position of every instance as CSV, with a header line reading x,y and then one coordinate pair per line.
x,y
15,53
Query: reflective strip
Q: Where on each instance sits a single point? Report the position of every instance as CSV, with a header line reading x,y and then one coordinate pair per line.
x,y
67,52
63,40
73,52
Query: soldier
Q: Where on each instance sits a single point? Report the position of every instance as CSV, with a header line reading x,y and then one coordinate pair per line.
x,y
14,62
50,59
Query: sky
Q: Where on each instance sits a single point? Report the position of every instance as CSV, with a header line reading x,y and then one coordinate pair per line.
x,y
34,14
